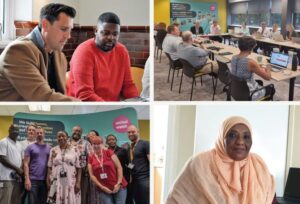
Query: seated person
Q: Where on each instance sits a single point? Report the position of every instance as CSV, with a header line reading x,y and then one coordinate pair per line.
x,y
264,32
244,29
290,32
228,173
215,29
145,94
172,41
197,29
33,68
244,67
100,67
194,55
275,31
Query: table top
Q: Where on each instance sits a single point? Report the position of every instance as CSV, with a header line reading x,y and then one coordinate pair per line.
x,y
277,76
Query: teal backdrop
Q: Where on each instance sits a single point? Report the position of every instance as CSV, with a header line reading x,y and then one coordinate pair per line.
x,y
108,122
186,12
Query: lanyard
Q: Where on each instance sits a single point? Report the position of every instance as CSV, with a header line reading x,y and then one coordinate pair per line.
x,y
100,160
132,147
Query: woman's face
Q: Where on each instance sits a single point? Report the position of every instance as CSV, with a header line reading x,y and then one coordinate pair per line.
x,y
238,142
97,147
61,138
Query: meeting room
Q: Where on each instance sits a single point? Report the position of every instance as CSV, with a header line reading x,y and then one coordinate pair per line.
x,y
229,153
226,50
73,50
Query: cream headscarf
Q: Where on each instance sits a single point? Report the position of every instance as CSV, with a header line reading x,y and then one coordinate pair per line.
x,y
213,177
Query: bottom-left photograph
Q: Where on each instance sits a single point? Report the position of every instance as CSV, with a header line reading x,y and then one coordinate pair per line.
x,y
95,154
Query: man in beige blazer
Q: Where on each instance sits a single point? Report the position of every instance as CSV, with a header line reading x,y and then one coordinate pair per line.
x,y
33,68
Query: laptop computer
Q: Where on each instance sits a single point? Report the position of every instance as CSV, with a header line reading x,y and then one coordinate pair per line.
x,y
292,190
296,40
279,61
278,37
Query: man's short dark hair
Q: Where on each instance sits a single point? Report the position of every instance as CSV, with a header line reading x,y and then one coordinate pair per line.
x,y
171,28
246,43
51,12
109,17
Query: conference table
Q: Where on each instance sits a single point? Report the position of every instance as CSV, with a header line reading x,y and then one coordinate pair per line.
x,y
227,52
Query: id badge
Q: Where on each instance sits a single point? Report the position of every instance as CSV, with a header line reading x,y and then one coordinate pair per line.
x,y
130,166
1,185
103,176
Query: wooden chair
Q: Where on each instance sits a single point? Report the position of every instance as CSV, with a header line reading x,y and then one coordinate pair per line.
x,y
137,76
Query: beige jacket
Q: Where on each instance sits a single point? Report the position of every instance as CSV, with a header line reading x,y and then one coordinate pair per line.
x,y
23,73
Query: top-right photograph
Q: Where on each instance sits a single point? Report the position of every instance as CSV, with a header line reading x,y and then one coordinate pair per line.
x,y
227,50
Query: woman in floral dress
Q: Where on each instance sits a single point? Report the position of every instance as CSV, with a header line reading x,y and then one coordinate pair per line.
x,y
64,172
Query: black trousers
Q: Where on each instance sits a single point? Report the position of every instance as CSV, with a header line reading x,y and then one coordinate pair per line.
x,y
141,191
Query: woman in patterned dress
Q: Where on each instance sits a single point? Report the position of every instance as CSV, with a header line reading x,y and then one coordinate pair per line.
x,y
64,172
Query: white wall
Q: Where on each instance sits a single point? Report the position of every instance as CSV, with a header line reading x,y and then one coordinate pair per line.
x,y
293,159
38,4
24,10
270,129
180,142
131,12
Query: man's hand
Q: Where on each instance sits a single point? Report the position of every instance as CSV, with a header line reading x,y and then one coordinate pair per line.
x,y
27,184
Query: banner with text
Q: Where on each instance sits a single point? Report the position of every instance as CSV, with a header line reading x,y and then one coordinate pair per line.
x,y
187,12
108,122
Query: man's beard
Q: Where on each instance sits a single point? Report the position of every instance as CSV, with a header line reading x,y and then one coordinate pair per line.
x,y
105,48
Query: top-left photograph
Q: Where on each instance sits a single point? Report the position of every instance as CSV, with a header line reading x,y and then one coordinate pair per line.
x,y
72,50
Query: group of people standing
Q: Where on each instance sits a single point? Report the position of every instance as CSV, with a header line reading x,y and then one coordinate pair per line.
x,y
75,171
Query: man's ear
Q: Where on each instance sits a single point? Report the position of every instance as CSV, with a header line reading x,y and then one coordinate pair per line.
x,y
45,24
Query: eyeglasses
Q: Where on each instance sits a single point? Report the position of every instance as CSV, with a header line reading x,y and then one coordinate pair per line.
x,y
108,33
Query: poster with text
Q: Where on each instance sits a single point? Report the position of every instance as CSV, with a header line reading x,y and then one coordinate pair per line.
x,y
109,122
187,12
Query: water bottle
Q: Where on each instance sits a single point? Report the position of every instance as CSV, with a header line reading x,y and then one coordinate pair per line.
x,y
295,62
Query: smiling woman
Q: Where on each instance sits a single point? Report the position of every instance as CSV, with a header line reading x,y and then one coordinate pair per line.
x,y
226,174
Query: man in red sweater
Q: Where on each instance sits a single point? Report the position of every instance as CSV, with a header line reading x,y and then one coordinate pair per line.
x,y
100,67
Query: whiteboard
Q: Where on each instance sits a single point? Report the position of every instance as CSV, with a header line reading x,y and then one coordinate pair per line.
x,y
269,125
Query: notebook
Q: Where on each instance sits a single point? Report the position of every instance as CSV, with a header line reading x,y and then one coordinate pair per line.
x,y
292,190
279,61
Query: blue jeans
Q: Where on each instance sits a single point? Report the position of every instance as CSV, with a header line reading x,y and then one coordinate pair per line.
x,y
116,198
38,192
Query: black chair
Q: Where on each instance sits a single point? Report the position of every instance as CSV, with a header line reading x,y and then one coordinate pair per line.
x,y
194,72
160,36
239,90
173,65
224,76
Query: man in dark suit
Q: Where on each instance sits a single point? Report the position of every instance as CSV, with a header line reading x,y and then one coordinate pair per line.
x,y
197,29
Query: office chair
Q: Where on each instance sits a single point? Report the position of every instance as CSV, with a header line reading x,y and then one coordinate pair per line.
x,y
224,76
239,90
194,72
173,65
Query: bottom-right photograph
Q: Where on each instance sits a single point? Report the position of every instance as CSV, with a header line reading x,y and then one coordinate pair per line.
x,y
226,153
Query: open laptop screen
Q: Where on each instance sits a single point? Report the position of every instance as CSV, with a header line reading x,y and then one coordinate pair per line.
x,y
279,59
292,189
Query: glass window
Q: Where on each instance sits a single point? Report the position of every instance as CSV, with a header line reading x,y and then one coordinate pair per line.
x,y
254,12
2,10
